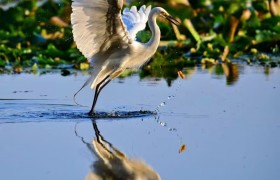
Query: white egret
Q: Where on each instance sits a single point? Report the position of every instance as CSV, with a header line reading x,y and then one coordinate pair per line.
x,y
107,38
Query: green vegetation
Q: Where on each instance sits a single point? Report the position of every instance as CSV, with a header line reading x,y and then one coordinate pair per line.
x,y
37,35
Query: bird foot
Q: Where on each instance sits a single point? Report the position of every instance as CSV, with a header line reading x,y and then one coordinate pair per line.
x,y
91,113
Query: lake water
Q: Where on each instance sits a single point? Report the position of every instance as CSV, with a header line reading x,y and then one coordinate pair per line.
x,y
227,122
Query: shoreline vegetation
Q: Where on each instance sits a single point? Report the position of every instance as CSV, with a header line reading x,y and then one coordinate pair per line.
x,y
37,34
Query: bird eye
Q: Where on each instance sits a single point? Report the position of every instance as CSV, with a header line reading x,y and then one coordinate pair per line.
x,y
163,13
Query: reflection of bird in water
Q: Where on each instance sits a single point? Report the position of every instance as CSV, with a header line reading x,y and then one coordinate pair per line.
x,y
107,38
113,164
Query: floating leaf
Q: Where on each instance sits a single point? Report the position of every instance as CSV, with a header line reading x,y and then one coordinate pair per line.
x,y
210,61
17,69
181,74
84,66
34,67
183,147
263,57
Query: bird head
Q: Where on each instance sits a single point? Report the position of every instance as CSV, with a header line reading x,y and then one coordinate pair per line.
x,y
163,13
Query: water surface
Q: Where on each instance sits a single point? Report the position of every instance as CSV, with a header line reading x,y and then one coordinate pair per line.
x,y
228,121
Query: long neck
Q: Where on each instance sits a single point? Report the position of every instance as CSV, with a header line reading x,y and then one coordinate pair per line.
x,y
154,41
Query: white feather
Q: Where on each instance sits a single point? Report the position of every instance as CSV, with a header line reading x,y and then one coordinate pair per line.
x,y
90,25
101,32
134,20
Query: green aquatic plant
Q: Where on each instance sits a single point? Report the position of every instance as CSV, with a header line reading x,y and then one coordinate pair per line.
x,y
39,32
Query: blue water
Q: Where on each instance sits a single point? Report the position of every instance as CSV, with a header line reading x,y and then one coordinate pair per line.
x,y
230,125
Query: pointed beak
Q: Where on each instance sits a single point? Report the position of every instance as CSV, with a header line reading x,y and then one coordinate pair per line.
x,y
172,20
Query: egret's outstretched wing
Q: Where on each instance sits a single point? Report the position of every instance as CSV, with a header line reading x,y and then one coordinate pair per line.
x,y
134,20
97,25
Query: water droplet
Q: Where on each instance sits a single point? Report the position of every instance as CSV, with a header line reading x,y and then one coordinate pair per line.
x,y
162,124
172,129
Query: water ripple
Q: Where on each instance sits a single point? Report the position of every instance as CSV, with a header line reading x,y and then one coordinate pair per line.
x,y
28,111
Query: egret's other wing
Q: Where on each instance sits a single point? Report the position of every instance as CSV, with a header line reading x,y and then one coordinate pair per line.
x,y
97,25
134,20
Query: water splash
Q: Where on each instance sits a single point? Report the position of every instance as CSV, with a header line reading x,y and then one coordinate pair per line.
x,y
172,129
19,111
170,97
122,114
163,124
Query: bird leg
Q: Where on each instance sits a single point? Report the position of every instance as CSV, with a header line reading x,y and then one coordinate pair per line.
x,y
101,85
98,89
97,94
